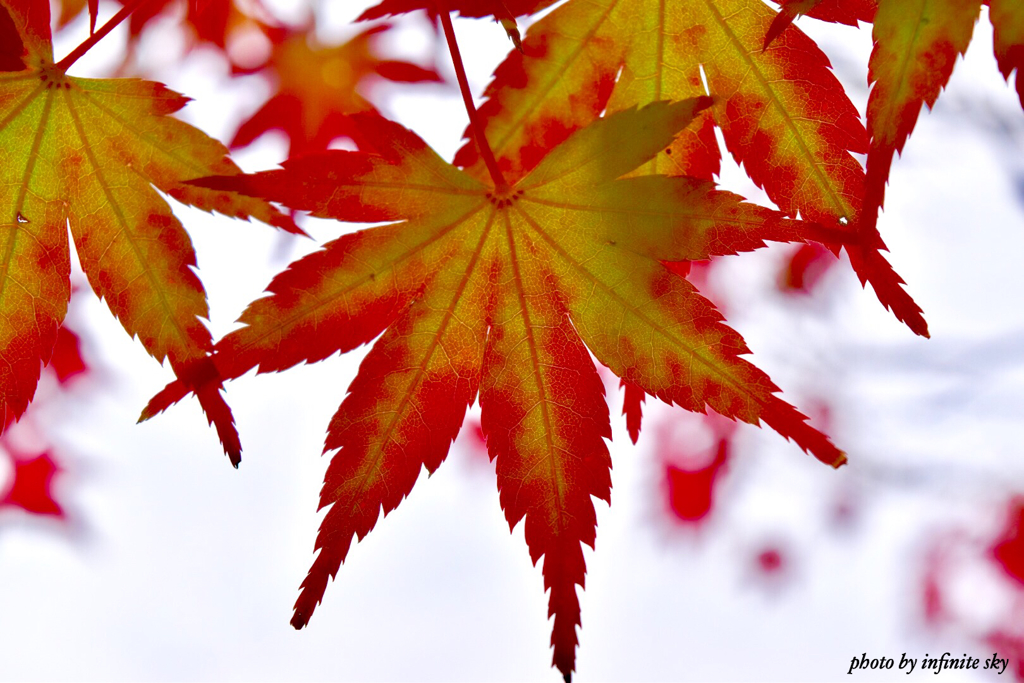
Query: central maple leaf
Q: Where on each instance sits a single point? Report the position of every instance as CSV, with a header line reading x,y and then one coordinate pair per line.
x,y
501,292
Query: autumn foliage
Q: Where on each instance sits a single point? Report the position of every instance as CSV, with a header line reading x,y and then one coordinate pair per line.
x,y
561,233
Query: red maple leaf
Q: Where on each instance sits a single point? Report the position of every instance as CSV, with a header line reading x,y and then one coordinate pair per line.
x,y
31,487
805,268
320,86
692,473
66,361
1008,549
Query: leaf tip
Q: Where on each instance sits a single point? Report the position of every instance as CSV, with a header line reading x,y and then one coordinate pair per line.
x,y
300,619
286,223
235,456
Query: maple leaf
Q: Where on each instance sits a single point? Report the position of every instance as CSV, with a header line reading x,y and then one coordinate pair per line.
x,y
31,486
916,45
1007,18
692,472
805,268
503,11
501,292
88,153
836,11
318,89
66,360
690,492
212,21
467,8
782,112
1008,549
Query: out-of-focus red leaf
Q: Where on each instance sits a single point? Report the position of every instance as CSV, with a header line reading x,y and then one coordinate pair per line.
x,y
70,9
31,486
693,470
805,268
770,561
1008,550
691,492
503,11
1009,645
934,608
933,601
475,440
208,21
67,361
467,8
319,87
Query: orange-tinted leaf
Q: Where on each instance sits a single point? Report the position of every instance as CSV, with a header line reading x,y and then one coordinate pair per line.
x,y
782,113
916,44
545,419
502,293
87,153
319,87
1008,23
837,11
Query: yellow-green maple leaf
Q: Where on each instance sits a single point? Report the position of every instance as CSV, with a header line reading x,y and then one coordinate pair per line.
x,y
88,154
499,292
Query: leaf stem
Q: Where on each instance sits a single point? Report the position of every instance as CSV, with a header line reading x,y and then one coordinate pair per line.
x,y
97,36
500,184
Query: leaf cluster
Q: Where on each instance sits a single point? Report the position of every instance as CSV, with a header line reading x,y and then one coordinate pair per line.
x,y
560,234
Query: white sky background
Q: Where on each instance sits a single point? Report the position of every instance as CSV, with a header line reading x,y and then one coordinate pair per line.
x,y
177,567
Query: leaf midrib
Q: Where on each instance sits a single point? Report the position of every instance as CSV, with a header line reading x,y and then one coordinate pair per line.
x,y
557,481
321,302
422,369
126,230
810,158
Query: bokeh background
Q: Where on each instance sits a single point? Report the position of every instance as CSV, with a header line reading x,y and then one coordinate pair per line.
x,y
135,552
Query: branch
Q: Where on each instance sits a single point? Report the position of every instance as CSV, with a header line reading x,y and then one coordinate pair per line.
x,y
500,184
